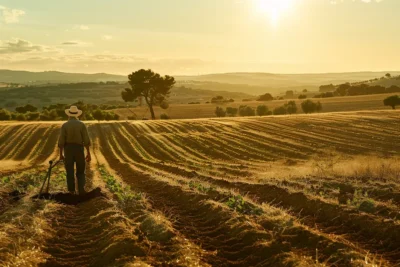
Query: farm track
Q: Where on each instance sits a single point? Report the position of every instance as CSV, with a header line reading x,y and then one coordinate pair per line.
x,y
161,159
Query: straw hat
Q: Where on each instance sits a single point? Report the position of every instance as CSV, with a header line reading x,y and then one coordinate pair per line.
x,y
73,111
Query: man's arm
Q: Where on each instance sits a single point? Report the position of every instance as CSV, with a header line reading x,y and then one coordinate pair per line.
x,y
86,142
61,142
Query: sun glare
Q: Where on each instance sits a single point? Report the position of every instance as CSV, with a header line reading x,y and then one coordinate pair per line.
x,y
274,9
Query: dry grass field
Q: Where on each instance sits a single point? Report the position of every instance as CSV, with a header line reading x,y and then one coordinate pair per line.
x,y
192,111
301,190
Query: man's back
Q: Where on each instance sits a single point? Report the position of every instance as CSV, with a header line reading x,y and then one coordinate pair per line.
x,y
74,132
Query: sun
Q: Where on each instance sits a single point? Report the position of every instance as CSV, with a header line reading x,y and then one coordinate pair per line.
x,y
274,9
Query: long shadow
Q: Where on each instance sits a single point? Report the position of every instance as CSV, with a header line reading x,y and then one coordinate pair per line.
x,y
71,199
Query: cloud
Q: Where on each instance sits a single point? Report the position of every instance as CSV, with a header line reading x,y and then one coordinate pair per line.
x,y
75,43
19,46
8,15
106,37
82,27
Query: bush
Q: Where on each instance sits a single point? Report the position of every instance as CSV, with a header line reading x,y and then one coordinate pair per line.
x,y
164,116
265,97
280,110
5,115
25,109
220,112
291,107
20,117
309,106
262,110
302,96
98,114
392,101
32,116
246,111
231,112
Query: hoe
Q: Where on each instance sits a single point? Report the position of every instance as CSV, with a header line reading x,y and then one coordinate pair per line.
x,y
65,198
48,177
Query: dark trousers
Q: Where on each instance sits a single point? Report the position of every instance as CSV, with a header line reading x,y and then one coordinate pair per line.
x,y
74,154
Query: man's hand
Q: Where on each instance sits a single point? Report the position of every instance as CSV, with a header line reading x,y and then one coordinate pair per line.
x,y
62,157
88,158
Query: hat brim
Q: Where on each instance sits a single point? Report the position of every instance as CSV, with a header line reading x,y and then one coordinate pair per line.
x,y
73,114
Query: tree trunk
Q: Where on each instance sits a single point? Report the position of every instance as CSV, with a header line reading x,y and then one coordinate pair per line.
x,y
153,117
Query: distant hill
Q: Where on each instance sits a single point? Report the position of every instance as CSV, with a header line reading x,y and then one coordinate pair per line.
x,y
27,77
280,82
249,83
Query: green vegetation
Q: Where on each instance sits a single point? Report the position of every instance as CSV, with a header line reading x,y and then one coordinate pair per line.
x,y
194,185
220,112
245,110
231,112
266,97
362,201
57,112
123,193
392,101
309,106
237,203
262,110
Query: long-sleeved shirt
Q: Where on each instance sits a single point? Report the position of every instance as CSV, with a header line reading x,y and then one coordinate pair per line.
x,y
74,132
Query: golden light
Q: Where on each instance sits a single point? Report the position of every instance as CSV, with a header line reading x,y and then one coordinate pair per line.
x,y
274,9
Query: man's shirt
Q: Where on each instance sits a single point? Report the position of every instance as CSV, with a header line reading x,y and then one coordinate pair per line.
x,y
74,132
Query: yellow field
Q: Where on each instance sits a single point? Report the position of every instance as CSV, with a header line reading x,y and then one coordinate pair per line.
x,y
300,190
193,111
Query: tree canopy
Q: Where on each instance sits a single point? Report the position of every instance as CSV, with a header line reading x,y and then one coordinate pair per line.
x,y
392,101
154,88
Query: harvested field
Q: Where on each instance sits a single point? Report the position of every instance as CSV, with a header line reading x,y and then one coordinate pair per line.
x,y
193,111
298,190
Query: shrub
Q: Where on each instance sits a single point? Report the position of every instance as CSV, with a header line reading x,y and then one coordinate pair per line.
x,y
309,106
262,110
20,117
220,112
291,107
392,101
280,110
5,115
265,97
232,112
246,111
98,114
26,108
164,116
32,116
302,96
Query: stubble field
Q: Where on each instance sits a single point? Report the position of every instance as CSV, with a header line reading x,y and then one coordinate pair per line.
x,y
297,190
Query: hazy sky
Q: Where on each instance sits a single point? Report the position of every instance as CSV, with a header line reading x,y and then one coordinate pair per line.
x,y
200,36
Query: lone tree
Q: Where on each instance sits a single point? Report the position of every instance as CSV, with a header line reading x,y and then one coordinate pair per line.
x,y
392,101
151,86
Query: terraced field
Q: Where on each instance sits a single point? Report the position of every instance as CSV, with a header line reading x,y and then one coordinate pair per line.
x,y
262,191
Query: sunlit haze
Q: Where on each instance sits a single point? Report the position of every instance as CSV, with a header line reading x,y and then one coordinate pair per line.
x,y
193,37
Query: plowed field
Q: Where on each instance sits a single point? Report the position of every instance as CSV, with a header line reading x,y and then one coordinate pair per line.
x,y
301,190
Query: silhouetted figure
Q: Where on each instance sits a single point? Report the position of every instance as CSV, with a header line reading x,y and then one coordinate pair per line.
x,y
73,139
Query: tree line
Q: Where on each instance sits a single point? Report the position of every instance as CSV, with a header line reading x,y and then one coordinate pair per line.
x,y
57,112
290,107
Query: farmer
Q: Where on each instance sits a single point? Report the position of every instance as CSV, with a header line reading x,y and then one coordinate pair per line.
x,y
73,138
